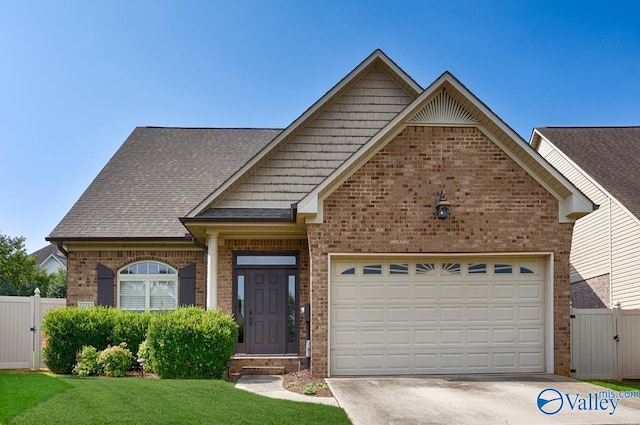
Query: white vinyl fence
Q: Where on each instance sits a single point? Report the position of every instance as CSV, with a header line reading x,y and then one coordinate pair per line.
x,y
605,343
20,330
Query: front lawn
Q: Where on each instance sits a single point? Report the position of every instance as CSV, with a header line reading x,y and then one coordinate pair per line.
x,y
617,385
159,401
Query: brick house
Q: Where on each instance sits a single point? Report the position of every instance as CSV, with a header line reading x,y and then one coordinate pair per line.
x,y
338,211
602,162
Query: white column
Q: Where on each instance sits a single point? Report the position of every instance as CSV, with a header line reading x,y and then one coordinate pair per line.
x,y
212,270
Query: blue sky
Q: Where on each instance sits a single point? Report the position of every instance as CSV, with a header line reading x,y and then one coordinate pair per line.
x,y
76,77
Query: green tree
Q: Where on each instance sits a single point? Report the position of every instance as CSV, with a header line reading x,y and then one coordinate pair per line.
x,y
20,274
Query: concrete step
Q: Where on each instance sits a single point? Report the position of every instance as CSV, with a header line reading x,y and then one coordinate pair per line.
x,y
263,370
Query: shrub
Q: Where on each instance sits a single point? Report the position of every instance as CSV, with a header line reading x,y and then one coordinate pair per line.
x,y
191,343
87,362
68,330
116,360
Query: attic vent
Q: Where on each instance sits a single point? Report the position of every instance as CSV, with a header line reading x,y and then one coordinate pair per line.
x,y
443,109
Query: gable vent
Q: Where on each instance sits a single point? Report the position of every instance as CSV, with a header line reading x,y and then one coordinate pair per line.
x,y
443,109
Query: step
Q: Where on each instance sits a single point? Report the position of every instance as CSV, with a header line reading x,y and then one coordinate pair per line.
x,y
263,370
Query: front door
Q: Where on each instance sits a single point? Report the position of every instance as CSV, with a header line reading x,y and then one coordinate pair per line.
x,y
266,311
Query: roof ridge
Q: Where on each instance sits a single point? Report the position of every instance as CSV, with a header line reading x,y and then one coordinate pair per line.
x,y
210,128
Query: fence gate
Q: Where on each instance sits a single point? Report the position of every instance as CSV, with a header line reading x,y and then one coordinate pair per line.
x,y
605,343
20,325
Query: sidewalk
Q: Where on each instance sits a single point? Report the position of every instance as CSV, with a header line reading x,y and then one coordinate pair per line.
x,y
271,386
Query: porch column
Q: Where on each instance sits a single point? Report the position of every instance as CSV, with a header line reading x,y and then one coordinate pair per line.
x,y
212,270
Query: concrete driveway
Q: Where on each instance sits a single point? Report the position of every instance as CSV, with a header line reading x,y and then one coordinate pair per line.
x,y
481,399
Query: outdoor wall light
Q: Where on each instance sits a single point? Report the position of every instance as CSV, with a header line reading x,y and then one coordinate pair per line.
x,y
443,207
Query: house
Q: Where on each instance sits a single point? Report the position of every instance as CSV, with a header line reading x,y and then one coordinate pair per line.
x,y
338,211
50,259
603,163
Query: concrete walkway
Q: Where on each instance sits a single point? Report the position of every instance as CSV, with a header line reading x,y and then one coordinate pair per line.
x,y
271,386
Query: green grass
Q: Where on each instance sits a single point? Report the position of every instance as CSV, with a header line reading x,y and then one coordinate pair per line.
x,y
617,385
163,401
22,390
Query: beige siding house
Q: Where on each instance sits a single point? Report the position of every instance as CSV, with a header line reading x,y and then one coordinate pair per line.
x,y
386,231
605,252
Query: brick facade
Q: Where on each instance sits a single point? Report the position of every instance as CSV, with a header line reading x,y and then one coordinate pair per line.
x,y
387,206
82,279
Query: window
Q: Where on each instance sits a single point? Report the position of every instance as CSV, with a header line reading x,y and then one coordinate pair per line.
x,y
147,285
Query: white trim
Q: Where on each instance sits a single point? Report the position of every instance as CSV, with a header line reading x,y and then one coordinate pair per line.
x,y
377,55
212,270
146,279
549,322
548,258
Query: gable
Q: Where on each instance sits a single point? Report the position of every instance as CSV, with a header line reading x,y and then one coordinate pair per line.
x,y
393,194
310,149
448,102
324,143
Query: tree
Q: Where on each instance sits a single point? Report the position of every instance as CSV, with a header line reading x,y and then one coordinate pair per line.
x,y
20,274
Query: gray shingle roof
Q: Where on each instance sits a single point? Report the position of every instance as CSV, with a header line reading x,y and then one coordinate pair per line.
x,y
157,176
43,253
610,155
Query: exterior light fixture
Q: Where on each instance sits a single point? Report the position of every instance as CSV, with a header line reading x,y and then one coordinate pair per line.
x,y
141,363
443,207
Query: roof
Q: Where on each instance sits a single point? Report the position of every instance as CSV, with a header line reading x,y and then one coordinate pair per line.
x,y
50,250
608,154
157,176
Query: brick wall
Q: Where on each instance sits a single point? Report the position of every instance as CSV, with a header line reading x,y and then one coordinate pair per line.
x,y
387,206
82,279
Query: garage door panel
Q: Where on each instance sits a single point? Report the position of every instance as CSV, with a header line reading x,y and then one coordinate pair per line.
x,y
425,293
437,317
530,314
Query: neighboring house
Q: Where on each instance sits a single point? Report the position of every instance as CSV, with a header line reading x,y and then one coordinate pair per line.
x,y
338,210
605,254
50,259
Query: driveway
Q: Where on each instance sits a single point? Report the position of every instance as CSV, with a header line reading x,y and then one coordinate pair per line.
x,y
481,399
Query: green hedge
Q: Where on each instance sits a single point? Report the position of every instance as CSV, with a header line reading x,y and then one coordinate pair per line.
x,y
67,330
191,343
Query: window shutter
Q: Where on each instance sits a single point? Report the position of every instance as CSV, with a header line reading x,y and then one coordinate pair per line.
x,y
187,277
105,285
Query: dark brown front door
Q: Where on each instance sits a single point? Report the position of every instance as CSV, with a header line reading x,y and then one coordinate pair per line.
x,y
266,311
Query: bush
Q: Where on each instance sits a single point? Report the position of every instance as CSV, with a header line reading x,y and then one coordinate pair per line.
x,y
191,343
88,362
116,360
67,330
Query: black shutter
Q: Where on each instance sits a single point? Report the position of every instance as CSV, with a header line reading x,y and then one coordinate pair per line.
x,y
187,277
105,285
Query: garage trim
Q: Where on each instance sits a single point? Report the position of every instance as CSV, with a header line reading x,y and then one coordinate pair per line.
x,y
547,258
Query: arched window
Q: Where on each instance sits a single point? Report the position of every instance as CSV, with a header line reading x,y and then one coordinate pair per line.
x,y
147,285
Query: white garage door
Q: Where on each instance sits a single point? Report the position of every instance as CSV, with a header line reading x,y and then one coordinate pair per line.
x,y
394,316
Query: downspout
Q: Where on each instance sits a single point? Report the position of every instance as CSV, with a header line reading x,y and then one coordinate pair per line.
x,y
61,248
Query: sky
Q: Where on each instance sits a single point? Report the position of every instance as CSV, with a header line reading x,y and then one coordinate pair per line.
x,y
76,77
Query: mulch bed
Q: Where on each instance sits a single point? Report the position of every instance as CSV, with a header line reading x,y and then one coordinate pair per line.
x,y
297,382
